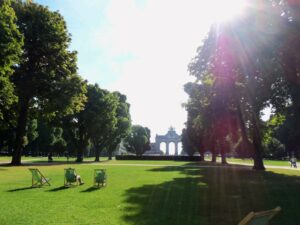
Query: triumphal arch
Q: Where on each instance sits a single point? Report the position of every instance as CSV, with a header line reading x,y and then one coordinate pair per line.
x,y
170,137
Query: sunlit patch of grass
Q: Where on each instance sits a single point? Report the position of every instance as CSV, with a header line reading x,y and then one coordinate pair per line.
x,y
266,162
250,161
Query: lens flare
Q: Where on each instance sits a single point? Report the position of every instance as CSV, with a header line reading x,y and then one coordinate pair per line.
x,y
227,10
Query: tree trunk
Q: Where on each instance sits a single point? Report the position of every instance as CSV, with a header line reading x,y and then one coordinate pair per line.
x,y
214,156
79,157
257,147
202,156
109,155
223,158
257,158
20,131
98,149
80,150
296,110
112,149
223,146
97,153
82,144
246,147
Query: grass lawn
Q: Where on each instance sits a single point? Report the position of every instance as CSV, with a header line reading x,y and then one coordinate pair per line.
x,y
5,158
149,195
266,162
41,159
8,158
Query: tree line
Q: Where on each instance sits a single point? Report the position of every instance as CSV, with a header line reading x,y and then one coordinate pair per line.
x,y
243,67
45,105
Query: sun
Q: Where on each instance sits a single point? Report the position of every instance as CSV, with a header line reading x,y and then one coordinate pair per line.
x,y
226,10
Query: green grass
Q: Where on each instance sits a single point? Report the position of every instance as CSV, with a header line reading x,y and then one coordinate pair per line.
x,y
266,162
5,158
44,159
8,158
149,195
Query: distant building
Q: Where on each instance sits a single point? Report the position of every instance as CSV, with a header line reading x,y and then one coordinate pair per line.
x,y
170,137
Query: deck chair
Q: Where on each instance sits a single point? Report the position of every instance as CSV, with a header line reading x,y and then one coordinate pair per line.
x,y
100,177
259,218
70,177
38,179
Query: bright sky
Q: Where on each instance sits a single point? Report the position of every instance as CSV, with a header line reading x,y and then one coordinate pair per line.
x,y
141,48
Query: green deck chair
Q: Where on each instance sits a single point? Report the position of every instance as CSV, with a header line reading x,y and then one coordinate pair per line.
x,y
260,218
38,179
100,177
70,177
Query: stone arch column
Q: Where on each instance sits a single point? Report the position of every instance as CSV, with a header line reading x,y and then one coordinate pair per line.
x,y
157,145
176,148
167,148
181,147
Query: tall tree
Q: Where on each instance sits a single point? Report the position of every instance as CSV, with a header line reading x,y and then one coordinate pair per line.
x,y
104,121
187,145
46,78
75,134
197,106
11,42
123,125
288,52
138,141
243,61
101,117
49,138
284,127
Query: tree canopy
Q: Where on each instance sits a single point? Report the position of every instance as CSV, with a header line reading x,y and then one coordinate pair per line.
x,y
11,42
241,70
101,109
122,128
45,106
46,78
138,141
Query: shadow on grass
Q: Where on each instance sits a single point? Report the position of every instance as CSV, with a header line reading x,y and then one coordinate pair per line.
x,y
58,189
212,196
21,189
5,164
91,189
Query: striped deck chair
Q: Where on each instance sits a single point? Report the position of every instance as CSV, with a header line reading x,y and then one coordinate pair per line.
x,y
260,218
38,179
100,177
70,177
